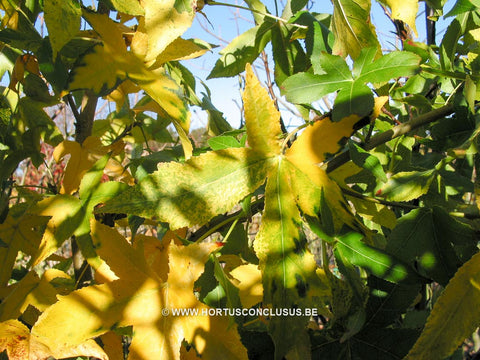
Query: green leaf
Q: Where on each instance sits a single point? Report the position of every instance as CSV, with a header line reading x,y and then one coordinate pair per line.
x,y
387,301
333,74
288,54
463,6
367,161
242,50
36,119
259,9
354,98
448,47
376,261
352,28
393,65
423,238
217,124
194,192
317,41
63,22
408,185
223,142
367,57
454,131
292,7
231,292
454,317
385,344
305,87
26,40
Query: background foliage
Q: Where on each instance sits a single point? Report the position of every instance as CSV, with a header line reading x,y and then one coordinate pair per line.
x,y
367,212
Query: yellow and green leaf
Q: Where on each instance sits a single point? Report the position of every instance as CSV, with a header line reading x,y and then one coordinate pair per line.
x,y
164,21
261,117
66,213
109,63
454,317
309,180
194,192
182,49
353,28
63,19
82,158
130,7
30,291
19,234
288,268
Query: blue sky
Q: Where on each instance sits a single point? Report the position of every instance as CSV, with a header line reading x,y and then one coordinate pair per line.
x,y
227,23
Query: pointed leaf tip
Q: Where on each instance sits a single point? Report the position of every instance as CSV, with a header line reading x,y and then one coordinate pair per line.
x,y
261,117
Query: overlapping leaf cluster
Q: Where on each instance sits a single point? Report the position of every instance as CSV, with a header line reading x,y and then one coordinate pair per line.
x,y
383,185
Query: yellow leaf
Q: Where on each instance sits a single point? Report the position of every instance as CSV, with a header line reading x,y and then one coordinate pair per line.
x,y
321,139
118,95
16,339
112,345
23,62
137,298
66,214
107,65
454,317
31,290
250,284
82,158
10,16
405,10
188,355
20,234
379,103
181,49
154,250
168,95
164,22
343,172
261,117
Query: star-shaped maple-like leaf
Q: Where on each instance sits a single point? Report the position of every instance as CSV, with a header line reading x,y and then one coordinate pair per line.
x,y
142,297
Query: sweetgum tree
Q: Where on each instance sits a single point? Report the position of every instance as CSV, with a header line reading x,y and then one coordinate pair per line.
x,y
98,255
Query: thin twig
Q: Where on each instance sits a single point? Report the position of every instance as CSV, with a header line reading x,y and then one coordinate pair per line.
x,y
69,99
357,195
270,88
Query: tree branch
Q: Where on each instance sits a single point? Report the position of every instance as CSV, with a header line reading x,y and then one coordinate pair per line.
x,y
393,133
